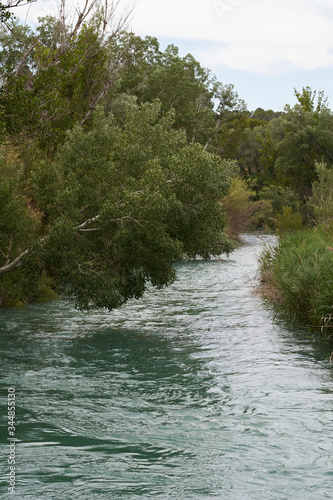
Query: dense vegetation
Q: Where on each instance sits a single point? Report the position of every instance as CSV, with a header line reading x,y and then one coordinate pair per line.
x,y
297,274
105,178
117,158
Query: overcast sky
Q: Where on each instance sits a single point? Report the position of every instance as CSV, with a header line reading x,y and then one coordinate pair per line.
x,y
264,47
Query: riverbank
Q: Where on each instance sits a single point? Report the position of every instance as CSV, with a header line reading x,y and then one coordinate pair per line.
x,y
297,278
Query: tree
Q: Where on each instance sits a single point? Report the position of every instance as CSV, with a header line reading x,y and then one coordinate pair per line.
x,y
210,112
111,175
306,100
180,83
308,138
122,201
56,76
233,123
265,114
286,149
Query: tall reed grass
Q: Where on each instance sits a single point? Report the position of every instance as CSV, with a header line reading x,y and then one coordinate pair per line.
x,y
297,276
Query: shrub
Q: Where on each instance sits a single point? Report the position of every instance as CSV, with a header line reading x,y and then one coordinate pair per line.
x,y
288,221
242,211
279,197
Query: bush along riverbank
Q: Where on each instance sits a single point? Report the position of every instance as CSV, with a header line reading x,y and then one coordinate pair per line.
x,y
297,278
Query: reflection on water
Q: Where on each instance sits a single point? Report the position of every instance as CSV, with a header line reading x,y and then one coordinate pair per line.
x,y
193,392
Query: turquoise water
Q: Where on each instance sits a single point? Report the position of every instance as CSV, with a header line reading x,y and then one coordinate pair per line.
x,y
192,392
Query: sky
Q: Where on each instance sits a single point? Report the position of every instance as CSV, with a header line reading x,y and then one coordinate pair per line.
x,y
265,48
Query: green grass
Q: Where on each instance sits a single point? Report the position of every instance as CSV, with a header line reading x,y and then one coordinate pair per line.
x,y
297,276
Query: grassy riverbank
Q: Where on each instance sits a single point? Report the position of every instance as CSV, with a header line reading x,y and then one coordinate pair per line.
x,y
297,278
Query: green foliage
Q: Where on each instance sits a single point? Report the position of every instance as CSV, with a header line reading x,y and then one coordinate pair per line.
x,y
286,211
243,212
258,153
306,100
247,152
118,195
200,219
288,221
279,198
308,138
131,196
44,291
180,83
18,226
266,114
210,112
297,274
233,122
16,223
54,77
322,197
97,202
284,151
24,285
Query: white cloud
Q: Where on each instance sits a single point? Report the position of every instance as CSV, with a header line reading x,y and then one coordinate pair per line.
x,y
258,36
267,59
40,8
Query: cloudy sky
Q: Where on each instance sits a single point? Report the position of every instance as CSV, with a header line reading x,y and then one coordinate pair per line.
x,y
264,47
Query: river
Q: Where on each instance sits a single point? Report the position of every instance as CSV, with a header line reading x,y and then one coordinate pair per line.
x,y
192,392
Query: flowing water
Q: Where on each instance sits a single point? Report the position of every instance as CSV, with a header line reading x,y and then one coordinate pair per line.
x,y
192,392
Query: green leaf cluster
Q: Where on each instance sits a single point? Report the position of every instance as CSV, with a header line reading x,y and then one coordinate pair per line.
x,y
149,195
284,151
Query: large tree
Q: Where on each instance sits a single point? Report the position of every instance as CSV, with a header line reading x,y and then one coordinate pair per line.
x,y
120,203
210,112
307,139
106,178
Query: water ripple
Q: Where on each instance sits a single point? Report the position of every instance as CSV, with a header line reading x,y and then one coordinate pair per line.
x,y
192,392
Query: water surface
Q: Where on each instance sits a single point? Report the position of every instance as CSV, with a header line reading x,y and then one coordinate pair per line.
x,y
192,392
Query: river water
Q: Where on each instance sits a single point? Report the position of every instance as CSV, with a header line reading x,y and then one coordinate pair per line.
x,y
193,392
